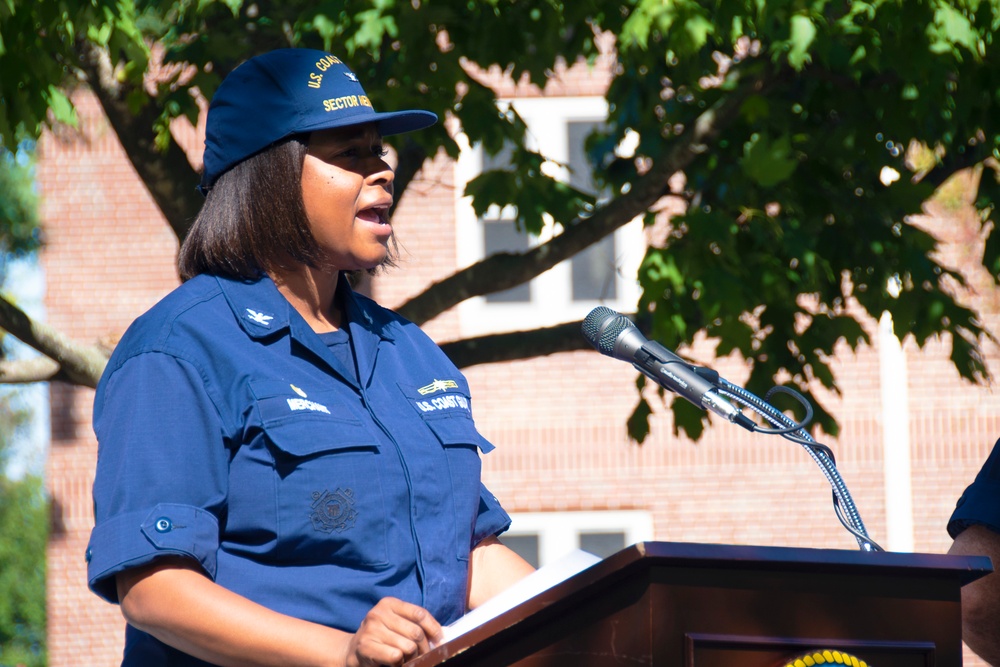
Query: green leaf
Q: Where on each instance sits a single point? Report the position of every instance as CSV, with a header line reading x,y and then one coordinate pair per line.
x,y
61,107
326,29
991,253
234,6
698,28
755,109
638,421
951,28
803,32
768,162
100,34
688,420
640,24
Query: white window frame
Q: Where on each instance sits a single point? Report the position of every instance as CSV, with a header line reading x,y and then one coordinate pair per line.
x,y
551,292
559,532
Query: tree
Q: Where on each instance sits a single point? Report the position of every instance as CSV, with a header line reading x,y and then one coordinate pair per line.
x,y
24,530
24,523
786,122
24,513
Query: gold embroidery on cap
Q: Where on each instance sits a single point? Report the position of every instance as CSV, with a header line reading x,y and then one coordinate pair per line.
x,y
346,102
323,64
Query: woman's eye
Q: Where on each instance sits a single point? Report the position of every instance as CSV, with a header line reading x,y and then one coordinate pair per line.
x,y
377,151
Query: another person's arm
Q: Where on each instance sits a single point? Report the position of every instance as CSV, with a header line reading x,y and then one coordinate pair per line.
x,y
981,598
175,602
493,567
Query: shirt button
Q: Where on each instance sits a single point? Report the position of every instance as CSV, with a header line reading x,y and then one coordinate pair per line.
x,y
163,525
89,555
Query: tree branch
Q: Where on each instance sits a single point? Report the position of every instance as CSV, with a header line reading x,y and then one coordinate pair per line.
x,y
78,363
169,176
505,270
410,157
516,345
25,371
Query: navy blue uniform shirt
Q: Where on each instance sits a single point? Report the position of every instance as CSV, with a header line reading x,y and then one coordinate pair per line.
x,y
231,434
980,503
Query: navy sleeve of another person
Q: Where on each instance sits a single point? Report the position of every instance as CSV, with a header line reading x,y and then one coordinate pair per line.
x,y
980,503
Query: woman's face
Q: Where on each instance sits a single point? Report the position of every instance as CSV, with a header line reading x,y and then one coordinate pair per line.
x,y
347,192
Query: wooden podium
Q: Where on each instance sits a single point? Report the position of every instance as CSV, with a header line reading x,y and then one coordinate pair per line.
x,y
703,605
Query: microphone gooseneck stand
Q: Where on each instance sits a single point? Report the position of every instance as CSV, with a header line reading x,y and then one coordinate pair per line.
x,y
616,336
843,504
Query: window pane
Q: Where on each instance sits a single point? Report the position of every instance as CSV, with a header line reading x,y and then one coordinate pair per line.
x,y
602,544
502,235
499,236
502,161
580,173
594,272
525,546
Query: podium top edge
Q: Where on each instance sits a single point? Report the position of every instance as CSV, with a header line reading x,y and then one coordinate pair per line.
x,y
965,568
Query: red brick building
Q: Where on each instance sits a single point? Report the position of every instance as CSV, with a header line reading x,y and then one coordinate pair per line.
x,y
563,462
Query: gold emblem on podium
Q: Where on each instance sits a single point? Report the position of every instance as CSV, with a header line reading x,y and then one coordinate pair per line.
x,y
826,657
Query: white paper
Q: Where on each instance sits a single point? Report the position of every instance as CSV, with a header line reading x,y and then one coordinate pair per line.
x,y
540,580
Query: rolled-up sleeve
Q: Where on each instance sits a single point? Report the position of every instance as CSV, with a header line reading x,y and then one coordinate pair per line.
x,y
161,481
492,519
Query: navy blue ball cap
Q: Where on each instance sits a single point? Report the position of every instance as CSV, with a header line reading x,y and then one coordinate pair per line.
x,y
286,92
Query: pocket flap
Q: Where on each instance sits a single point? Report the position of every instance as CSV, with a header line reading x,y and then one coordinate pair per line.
x,y
309,437
302,422
456,430
445,407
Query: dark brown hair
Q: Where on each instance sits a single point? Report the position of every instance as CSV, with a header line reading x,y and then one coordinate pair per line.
x,y
253,220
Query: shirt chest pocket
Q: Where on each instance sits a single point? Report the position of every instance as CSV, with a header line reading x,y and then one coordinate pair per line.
x,y
327,481
448,416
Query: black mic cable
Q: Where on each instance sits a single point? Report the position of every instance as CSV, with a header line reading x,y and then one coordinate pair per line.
x,y
616,336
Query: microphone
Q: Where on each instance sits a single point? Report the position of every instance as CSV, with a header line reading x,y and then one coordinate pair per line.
x,y
614,335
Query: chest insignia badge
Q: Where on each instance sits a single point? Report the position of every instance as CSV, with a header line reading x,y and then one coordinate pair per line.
x,y
333,511
298,391
437,385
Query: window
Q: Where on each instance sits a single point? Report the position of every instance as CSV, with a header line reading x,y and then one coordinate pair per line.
x,y
593,271
603,274
543,537
501,235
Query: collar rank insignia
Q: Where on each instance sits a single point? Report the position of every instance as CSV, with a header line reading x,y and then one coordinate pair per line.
x,y
259,318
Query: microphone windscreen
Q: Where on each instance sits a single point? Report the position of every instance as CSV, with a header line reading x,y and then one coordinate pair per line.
x,y
602,327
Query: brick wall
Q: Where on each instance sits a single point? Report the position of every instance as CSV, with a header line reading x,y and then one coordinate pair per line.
x,y
108,256
558,421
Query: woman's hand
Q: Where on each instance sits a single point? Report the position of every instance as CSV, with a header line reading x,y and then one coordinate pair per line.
x,y
392,633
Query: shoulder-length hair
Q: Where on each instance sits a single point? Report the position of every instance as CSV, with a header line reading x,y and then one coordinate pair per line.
x,y
253,220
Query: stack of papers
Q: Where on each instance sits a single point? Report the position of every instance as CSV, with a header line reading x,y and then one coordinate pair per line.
x,y
540,580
